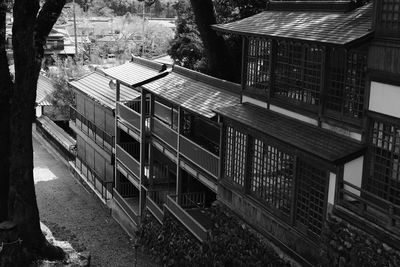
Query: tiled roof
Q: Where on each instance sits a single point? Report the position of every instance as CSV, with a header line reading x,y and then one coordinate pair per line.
x,y
192,90
317,26
44,88
96,86
311,139
196,92
132,74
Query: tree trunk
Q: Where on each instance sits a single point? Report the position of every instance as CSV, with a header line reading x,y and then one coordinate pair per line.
x,y
30,30
22,206
219,60
5,86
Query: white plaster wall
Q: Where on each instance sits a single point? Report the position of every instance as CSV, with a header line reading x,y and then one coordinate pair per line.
x,y
38,111
385,98
332,188
254,101
353,174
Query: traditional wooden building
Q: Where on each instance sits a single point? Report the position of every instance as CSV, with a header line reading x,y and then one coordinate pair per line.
x,y
92,119
168,143
317,129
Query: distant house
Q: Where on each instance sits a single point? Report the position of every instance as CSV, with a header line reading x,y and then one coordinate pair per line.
x,y
43,104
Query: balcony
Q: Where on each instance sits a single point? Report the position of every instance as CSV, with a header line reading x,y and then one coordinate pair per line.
x,y
123,155
376,210
165,133
155,203
100,137
199,155
128,115
129,204
99,185
188,208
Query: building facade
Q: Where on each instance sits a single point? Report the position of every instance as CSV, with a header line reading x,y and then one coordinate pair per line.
x,y
317,130
312,131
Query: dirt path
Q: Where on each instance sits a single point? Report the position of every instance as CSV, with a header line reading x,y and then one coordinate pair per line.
x,y
77,216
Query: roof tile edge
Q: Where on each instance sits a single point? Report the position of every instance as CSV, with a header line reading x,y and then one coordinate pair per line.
x,y
201,77
146,62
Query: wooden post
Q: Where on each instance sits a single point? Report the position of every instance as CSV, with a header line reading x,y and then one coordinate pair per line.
x,y
142,194
272,67
178,168
323,83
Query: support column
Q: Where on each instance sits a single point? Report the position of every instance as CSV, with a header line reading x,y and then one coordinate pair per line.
x,y
117,98
142,193
178,169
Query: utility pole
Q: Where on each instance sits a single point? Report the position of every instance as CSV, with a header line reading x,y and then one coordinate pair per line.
x,y
143,42
76,38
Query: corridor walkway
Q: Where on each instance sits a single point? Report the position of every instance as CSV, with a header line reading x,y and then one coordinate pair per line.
x,y
77,216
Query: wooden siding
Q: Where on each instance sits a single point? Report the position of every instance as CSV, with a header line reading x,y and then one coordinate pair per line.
x,y
384,56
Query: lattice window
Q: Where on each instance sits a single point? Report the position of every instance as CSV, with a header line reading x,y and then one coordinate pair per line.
x,y
235,159
272,176
298,72
346,83
384,174
258,57
310,199
390,14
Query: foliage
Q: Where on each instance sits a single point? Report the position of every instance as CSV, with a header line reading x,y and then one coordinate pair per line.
x,y
344,246
129,40
64,71
230,243
187,48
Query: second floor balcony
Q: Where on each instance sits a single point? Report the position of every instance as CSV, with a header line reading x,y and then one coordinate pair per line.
x,y
98,135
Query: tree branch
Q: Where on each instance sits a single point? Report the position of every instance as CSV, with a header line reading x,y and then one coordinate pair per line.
x,y
46,19
5,77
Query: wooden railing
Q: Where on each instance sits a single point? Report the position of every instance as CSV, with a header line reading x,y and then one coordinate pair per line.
x,y
104,188
88,127
188,221
369,204
200,156
126,189
128,115
165,133
192,200
127,160
155,209
133,214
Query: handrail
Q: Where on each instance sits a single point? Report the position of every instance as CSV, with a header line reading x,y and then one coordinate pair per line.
x,y
170,137
201,147
128,115
371,194
189,197
198,230
388,211
95,177
105,137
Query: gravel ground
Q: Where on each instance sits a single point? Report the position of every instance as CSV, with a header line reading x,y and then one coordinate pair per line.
x,y
77,216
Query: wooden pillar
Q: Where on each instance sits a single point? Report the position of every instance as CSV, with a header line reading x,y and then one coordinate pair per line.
x,y
116,138
142,193
248,163
178,168
222,133
151,149
245,45
272,68
323,84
